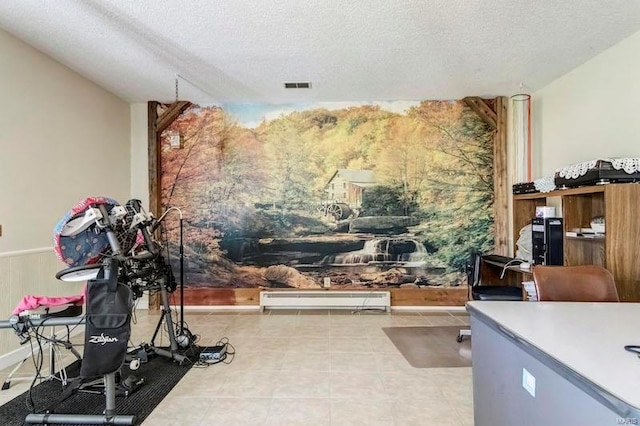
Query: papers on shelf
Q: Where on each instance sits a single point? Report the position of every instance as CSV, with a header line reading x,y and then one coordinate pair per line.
x,y
530,290
584,233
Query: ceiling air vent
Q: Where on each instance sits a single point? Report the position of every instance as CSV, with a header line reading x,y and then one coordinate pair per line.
x,y
298,85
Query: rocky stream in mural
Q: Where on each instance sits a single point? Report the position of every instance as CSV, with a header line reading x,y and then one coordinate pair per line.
x,y
362,196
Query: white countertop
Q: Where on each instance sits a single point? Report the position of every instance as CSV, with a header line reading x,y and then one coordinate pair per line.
x,y
588,338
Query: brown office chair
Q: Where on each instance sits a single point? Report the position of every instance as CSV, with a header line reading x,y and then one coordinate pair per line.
x,y
586,283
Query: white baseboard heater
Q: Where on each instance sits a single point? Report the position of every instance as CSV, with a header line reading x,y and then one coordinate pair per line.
x,y
332,299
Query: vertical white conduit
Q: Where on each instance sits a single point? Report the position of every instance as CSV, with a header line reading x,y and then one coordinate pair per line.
x,y
521,104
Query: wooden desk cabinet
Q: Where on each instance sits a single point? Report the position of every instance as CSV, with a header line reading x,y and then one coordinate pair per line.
x,y
618,250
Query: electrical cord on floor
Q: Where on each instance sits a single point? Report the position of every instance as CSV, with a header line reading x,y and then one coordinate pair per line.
x,y
192,338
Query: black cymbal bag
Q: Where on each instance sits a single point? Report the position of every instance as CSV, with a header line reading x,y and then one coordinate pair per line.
x,y
108,324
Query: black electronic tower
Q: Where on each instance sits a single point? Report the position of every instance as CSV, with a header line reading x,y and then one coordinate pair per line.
x,y
546,238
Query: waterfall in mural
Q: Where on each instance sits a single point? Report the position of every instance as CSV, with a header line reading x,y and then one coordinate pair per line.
x,y
400,252
371,195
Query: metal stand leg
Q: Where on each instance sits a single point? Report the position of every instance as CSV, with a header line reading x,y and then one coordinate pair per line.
x,y
166,317
7,381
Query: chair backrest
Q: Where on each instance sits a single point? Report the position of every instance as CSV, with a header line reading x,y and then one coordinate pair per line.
x,y
586,283
473,269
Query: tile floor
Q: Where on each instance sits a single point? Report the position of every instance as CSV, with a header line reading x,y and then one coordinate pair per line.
x,y
309,368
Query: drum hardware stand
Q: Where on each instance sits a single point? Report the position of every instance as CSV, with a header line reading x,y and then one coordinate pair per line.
x,y
144,223
166,317
186,338
183,337
54,351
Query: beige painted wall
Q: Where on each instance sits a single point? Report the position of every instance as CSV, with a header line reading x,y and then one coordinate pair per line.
x,y
62,138
139,153
591,112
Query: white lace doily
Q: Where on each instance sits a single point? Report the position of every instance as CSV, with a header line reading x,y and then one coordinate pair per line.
x,y
629,165
574,171
545,184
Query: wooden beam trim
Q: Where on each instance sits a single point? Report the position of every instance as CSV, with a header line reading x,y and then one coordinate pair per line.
x,y
483,109
170,115
153,158
500,187
154,176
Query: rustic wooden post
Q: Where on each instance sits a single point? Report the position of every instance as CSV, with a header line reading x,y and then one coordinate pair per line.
x,y
157,123
495,115
501,189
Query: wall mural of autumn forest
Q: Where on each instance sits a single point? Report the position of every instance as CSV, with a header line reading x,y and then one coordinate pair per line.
x,y
371,195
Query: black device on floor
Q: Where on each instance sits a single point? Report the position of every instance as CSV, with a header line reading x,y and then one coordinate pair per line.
x,y
214,353
547,234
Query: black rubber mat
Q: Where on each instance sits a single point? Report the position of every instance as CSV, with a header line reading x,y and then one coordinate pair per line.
x,y
160,375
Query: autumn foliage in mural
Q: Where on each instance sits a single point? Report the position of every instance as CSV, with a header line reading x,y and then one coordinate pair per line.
x,y
367,197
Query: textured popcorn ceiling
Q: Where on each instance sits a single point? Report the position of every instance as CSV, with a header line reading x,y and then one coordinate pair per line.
x,y
243,50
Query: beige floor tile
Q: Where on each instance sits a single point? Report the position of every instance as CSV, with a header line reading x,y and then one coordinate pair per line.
x,y
256,361
354,362
425,412
361,411
411,386
398,314
349,385
321,312
249,384
345,318
283,311
183,410
346,312
313,368
201,382
235,411
309,344
417,321
392,362
349,344
355,330
267,344
278,330
382,345
306,361
302,384
306,329
444,320
299,411
465,412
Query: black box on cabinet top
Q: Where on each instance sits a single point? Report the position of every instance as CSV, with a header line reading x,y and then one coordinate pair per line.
x,y
546,238
603,172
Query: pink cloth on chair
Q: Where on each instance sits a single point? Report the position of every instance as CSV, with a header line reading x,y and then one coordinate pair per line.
x,y
33,302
